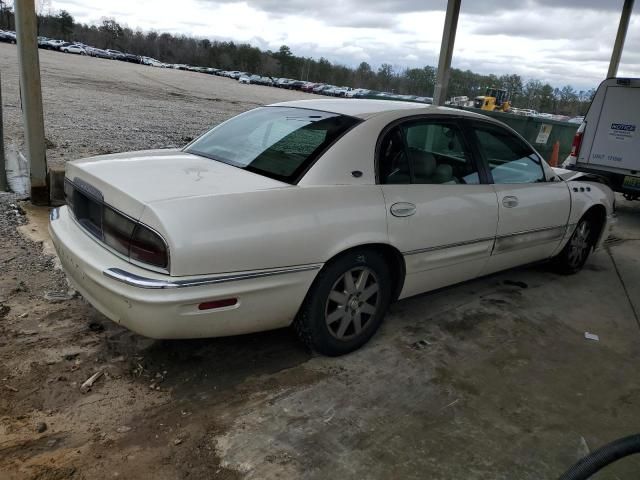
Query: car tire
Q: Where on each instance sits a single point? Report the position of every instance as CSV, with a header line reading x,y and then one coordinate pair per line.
x,y
575,253
346,304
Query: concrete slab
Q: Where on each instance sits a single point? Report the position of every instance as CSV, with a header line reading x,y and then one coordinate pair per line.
x,y
483,380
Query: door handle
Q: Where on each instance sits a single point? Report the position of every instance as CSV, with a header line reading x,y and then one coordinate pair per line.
x,y
510,201
402,209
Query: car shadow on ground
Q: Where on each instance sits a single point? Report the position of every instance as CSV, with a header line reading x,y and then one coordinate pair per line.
x,y
190,367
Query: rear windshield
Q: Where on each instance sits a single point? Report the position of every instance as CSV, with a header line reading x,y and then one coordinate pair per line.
x,y
277,142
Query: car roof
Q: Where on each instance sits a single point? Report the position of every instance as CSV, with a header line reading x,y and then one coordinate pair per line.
x,y
367,108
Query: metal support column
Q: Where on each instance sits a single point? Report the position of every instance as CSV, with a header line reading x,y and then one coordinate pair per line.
x,y
4,184
446,51
620,37
31,95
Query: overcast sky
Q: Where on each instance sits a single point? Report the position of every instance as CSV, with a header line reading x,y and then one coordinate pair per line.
x,y
558,41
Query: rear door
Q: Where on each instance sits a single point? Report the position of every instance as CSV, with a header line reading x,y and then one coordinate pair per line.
x,y
441,213
533,211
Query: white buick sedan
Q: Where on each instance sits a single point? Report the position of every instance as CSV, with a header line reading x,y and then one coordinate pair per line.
x,y
316,213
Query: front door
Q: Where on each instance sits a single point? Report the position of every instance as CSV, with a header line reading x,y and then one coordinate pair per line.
x,y
441,213
533,210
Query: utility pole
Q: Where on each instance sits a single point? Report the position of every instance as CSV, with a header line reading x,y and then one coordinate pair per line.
x,y
620,37
31,96
446,51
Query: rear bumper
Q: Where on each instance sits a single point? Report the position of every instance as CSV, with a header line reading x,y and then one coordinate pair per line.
x,y
161,306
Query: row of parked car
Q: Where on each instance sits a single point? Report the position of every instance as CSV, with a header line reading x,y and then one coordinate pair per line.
x,y
320,88
79,48
82,49
304,86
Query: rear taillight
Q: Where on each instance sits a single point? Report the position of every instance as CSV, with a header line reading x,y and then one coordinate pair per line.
x,y
148,247
117,230
577,143
68,193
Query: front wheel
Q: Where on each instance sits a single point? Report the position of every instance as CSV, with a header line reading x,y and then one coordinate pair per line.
x,y
575,253
346,303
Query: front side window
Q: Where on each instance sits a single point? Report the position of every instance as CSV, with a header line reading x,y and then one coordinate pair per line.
x,y
425,152
277,142
510,159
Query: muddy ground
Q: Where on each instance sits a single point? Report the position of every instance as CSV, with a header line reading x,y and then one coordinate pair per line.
x,y
490,379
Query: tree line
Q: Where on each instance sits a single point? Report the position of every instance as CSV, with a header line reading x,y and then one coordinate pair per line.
x,y
229,55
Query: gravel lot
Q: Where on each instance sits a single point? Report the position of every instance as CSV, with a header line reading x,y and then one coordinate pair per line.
x,y
490,379
95,106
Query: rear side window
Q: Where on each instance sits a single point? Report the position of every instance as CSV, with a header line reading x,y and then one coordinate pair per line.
x,y
510,159
277,142
425,152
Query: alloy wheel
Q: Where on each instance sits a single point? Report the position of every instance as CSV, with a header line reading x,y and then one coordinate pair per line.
x,y
352,303
579,244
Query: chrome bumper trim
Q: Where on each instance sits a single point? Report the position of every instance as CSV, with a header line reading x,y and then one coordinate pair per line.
x,y
144,282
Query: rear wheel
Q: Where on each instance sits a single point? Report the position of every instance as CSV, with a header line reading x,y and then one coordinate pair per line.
x,y
575,253
346,304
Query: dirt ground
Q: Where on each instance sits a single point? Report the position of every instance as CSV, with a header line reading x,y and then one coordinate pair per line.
x,y
490,379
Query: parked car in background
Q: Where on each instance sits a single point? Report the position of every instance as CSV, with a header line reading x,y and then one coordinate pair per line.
x,y
319,87
342,91
331,90
74,48
7,36
578,120
244,79
115,54
309,86
53,44
447,197
42,42
283,82
97,52
132,58
152,62
356,91
268,81
295,85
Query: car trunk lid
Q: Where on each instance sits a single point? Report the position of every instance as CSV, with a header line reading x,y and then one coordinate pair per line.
x,y
129,181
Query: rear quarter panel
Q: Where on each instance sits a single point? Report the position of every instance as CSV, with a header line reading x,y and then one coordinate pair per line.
x,y
267,229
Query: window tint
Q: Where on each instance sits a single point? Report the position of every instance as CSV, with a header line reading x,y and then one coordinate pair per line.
x,y
426,153
393,162
278,142
510,159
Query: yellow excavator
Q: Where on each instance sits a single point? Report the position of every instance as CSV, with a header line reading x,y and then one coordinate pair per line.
x,y
496,99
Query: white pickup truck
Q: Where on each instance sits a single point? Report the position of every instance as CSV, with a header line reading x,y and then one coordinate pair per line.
x,y
607,142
